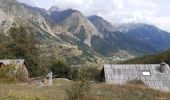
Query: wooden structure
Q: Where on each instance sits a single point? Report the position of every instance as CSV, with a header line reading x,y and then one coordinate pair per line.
x,y
155,76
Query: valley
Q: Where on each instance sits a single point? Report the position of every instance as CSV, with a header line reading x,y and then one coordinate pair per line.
x,y
67,54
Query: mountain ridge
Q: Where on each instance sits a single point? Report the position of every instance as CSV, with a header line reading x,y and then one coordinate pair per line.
x,y
72,27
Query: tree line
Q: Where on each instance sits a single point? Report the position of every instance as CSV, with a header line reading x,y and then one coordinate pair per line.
x,y
151,59
19,43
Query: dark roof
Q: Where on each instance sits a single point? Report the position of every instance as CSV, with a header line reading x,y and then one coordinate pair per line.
x,y
121,74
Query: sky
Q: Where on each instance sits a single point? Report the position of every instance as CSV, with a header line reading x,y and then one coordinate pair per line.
x,y
155,12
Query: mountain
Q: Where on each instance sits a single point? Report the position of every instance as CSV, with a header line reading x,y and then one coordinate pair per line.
x,y
102,25
137,38
156,37
14,14
39,23
75,23
94,36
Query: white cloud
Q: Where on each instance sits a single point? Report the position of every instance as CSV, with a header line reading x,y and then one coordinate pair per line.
x,y
39,3
154,12
29,2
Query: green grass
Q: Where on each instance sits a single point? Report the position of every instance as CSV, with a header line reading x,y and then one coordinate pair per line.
x,y
99,91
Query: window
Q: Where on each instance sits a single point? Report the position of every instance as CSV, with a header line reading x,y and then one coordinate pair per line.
x,y
146,73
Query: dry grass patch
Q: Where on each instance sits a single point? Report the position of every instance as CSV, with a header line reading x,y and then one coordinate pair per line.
x,y
127,92
98,91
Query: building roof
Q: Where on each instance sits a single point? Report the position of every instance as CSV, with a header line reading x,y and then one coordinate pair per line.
x,y
150,74
13,61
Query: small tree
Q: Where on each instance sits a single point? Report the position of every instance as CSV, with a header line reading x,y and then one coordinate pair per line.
x,y
79,89
94,73
61,69
23,45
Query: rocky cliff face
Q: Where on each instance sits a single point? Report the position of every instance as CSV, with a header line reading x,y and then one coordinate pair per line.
x,y
102,25
92,33
76,23
14,14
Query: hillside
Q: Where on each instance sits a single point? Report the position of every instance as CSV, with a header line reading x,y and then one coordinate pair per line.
x,y
137,38
156,37
94,36
151,59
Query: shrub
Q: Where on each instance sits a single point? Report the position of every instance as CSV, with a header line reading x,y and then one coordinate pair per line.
x,y
7,74
61,69
79,89
74,73
94,73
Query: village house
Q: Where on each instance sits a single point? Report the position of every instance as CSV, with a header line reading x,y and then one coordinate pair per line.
x,y
155,76
19,64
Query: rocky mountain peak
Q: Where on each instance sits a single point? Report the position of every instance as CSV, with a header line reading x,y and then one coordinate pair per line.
x,y
133,26
53,9
102,25
76,23
16,13
94,31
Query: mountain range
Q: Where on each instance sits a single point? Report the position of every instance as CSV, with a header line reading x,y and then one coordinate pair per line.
x,y
93,34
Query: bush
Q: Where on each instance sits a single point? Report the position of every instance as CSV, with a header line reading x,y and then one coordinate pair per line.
x,y
74,74
61,69
79,89
7,74
94,73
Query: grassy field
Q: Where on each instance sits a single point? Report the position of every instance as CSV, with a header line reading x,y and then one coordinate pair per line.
x,y
98,91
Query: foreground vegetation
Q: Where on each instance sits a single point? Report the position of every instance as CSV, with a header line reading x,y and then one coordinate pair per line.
x,y
98,91
83,86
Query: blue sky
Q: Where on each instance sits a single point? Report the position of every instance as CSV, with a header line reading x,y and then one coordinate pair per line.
x,y
156,12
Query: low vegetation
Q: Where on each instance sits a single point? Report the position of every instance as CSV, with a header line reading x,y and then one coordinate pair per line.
x,y
137,82
97,91
80,88
9,75
61,69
